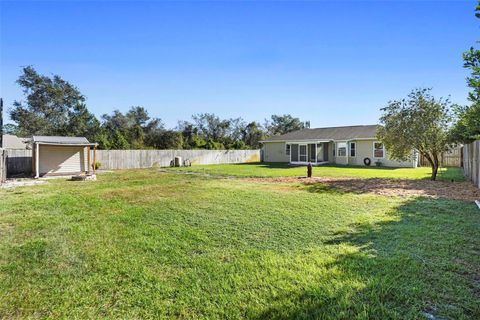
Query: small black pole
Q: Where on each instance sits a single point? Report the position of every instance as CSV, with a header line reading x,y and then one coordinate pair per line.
x,y
309,170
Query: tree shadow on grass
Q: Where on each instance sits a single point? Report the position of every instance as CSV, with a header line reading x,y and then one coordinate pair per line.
x,y
395,187
424,263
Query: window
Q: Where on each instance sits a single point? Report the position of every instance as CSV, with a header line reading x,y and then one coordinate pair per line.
x,y
378,150
341,149
334,147
287,149
353,151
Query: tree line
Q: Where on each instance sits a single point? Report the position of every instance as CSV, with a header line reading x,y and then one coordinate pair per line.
x,y
53,106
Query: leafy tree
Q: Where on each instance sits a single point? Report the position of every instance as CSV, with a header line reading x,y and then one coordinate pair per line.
x,y
419,122
166,139
10,128
281,124
191,139
118,141
82,123
52,107
135,126
467,127
252,135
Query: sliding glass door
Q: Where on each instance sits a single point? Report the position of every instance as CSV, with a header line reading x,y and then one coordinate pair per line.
x,y
302,154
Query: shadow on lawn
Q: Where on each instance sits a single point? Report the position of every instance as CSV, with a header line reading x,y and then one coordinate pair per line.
x,y
396,187
425,264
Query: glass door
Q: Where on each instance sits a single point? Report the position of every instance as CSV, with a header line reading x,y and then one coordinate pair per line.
x,y
302,153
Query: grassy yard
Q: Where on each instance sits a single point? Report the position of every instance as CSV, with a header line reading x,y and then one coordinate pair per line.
x,y
150,244
285,170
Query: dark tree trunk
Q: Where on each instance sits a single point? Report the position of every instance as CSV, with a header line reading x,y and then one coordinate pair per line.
x,y
433,159
434,172
435,165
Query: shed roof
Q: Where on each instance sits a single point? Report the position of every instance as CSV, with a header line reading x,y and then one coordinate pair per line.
x,y
330,133
61,140
11,141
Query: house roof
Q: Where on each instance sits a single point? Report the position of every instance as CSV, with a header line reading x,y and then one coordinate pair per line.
x,y
331,133
61,140
11,141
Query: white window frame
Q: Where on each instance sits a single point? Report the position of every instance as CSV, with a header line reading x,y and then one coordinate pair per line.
x,y
354,149
342,145
288,149
383,150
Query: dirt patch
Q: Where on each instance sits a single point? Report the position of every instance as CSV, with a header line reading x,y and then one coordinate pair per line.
x,y
387,187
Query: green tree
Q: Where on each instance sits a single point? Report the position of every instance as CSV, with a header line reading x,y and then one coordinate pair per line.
x,y
52,107
281,124
252,135
118,141
467,127
420,122
10,128
166,139
136,127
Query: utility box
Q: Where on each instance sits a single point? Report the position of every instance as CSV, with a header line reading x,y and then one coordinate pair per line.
x,y
178,162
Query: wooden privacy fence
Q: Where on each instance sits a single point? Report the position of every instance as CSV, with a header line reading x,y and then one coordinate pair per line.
x,y
131,159
451,158
3,165
471,162
19,162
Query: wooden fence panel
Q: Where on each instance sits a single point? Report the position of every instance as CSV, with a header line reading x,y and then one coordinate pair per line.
x,y
3,165
19,162
451,158
471,162
133,159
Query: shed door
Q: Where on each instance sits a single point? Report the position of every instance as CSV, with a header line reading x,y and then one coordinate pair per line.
x,y
59,159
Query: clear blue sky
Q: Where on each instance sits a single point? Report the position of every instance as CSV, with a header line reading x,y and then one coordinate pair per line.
x,y
333,63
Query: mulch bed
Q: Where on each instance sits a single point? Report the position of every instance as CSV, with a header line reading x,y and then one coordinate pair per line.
x,y
388,187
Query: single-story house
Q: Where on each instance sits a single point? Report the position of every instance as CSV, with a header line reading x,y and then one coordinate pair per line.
x,y
62,155
10,141
351,145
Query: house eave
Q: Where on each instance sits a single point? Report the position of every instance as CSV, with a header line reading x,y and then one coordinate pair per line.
x,y
316,140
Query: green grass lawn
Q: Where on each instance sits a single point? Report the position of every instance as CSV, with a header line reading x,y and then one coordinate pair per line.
x,y
285,170
150,244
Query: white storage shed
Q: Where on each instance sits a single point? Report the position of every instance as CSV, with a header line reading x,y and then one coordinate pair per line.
x,y
60,156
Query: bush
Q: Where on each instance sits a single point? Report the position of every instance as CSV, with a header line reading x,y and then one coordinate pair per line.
x,y
96,165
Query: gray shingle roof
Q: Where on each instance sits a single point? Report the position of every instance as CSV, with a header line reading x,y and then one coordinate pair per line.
x,y
13,142
332,133
60,140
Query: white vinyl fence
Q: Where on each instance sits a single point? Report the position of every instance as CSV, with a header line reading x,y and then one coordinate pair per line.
x,y
471,162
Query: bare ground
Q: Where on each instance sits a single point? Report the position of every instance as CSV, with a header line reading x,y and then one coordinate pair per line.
x,y
388,187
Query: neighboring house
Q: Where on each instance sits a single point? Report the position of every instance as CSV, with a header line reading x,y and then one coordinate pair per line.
x,y
10,141
61,155
352,145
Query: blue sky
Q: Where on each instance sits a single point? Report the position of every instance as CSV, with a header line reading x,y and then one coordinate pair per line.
x,y
333,63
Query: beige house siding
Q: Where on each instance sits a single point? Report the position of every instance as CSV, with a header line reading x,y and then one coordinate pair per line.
x,y
365,150
275,152
62,159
